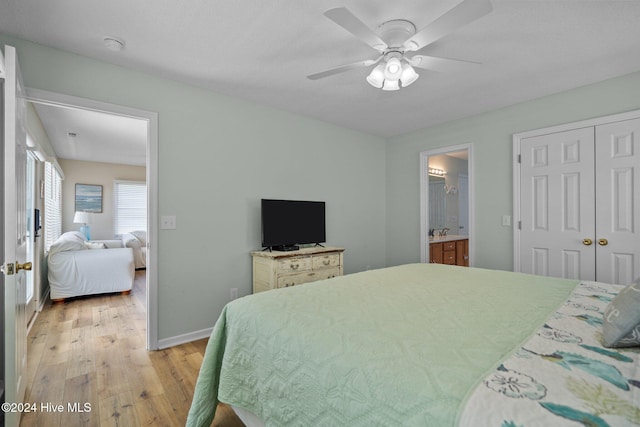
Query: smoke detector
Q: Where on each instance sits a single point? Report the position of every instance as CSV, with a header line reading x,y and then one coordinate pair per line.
x,y
113,43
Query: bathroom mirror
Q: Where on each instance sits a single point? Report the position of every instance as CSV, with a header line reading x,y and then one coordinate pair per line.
x,y
446,197
437,203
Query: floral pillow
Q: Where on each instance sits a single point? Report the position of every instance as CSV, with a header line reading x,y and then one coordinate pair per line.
x,y
621,323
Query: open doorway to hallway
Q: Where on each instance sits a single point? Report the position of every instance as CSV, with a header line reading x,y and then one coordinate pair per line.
x,y
105,146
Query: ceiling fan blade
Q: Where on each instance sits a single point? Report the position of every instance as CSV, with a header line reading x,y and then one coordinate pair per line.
x,y
462,14
347,20
434,63
343,68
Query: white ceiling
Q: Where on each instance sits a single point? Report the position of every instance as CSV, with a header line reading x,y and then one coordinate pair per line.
x,y
263,50
94,136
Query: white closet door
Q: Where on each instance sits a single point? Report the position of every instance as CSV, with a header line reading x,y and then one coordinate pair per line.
x,y
618,201
557,204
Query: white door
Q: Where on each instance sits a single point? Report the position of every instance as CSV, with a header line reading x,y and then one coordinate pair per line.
x,y
618,201
557,205
15,232
580,203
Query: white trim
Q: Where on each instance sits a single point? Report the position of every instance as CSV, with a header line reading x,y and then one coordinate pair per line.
x,y
184,338
67,101
517,141
424,198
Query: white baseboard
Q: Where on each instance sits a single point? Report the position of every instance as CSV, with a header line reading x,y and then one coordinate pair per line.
x,y
184,338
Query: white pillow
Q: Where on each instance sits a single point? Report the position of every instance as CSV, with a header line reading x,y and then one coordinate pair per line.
x,y
95,245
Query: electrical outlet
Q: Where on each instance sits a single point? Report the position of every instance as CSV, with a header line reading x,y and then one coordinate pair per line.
x,y
234,293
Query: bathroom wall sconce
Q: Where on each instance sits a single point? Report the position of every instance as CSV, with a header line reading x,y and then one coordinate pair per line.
x,y
436,172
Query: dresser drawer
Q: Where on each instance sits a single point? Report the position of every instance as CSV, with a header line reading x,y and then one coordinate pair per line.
x,y
325,261
296,279
327,273
291,265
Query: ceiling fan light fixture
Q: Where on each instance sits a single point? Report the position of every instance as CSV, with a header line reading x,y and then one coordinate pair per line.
x,y
391,85
408,75
376,77
393,69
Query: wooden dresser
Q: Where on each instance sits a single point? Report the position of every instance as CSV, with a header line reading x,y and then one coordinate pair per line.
x,y
276,269
452,252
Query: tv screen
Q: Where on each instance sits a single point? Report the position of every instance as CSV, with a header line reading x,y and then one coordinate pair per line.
x,y
286,223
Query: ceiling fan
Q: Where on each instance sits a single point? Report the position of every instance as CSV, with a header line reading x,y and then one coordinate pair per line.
x,y
395,40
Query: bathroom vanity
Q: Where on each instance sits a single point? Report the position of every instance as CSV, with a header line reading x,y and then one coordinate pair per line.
x,y
451,250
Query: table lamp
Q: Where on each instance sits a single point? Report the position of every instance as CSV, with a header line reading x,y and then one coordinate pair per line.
x,y
83,218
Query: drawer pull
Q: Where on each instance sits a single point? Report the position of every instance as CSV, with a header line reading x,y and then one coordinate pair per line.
x,y
326,262
294,266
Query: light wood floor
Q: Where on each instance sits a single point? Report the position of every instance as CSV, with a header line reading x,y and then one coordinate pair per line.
x,y
92,350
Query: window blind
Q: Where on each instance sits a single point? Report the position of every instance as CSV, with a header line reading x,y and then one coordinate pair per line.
x,y
130,200
52,205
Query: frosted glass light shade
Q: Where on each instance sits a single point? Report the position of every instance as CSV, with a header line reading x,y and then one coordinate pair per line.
x,y
376,77
408,75
393,70
391,85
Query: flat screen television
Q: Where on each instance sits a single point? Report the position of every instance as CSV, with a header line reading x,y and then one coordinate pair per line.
x,y
288,223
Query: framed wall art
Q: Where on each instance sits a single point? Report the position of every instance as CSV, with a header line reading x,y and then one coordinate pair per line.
x,y
88,198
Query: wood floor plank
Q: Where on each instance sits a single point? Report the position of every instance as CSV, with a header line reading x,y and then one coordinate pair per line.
x,y
78,395
92,350
118,411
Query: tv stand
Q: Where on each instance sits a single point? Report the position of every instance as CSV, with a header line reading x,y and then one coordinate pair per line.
x,y
282,269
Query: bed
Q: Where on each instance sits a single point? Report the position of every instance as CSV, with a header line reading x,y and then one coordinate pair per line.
x,y
77,267
421,345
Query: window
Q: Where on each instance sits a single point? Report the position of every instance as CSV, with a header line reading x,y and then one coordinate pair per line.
x,y
52,205
130,203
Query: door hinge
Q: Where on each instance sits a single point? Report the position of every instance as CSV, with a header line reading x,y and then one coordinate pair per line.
x,y
7,269
519,158
519,225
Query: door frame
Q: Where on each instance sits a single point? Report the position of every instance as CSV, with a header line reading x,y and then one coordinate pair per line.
x,y
424,197
151,117
517,139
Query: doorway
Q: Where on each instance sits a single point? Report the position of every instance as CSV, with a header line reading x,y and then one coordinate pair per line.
x,y
446,197
151,119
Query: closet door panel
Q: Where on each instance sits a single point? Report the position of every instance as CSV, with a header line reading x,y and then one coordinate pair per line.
x,y
557,204
618,201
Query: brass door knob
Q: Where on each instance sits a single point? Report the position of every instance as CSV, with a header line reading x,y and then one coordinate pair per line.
x,y
26,266
587,242
603,242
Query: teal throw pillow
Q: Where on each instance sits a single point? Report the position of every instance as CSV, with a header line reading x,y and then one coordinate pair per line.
x,y
621,325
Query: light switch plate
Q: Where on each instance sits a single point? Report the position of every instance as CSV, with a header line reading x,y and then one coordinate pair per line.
x,y
168,222
506,220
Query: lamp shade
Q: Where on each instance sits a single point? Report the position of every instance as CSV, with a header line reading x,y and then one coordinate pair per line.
x,y
82,217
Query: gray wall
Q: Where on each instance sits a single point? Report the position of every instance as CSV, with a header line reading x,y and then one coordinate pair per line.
x,y
217,157
491,136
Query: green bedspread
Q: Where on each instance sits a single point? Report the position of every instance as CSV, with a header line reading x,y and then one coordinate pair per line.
x,y
397,346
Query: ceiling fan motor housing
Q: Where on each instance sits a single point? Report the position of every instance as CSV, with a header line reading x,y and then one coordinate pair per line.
x,y
395,33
